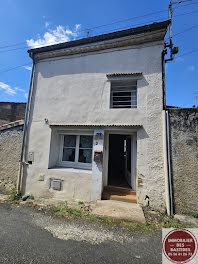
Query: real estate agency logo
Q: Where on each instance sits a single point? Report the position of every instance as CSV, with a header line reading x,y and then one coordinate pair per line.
x,y
180,246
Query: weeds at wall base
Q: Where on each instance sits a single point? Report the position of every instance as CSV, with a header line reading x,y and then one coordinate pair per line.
x,y
166,221
161,221
195,215
14,196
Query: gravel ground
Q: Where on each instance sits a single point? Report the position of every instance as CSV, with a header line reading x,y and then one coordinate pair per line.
x,y
30,236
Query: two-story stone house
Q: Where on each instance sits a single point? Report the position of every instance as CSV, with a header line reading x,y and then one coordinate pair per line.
x,y
95,118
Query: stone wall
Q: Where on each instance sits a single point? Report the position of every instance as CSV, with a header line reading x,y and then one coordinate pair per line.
x,y
10,112
184,159
10,149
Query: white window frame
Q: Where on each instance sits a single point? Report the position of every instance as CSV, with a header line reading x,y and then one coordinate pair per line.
x,y
132,91
76,164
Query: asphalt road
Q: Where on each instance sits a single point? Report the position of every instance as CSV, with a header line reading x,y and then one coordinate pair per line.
x,y
29,236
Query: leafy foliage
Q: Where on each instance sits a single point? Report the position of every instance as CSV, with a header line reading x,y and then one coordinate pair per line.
x,y
195,215
14,196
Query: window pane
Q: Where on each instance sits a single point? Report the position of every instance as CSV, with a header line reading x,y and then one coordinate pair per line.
x,y
86,141
69,141
69,154
85,155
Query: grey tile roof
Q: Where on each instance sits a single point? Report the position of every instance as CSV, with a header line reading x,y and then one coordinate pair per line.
x,y
12,124
114,35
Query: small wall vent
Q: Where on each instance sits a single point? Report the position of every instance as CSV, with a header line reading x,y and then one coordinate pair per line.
x,y
56,185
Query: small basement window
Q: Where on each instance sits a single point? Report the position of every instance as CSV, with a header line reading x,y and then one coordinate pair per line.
x,y
123,94
76,151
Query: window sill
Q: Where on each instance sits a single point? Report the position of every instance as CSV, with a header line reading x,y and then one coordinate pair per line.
x,y
71,170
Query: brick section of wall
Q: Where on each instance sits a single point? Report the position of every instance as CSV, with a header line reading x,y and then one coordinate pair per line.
x,y
10,149
184,158
10,112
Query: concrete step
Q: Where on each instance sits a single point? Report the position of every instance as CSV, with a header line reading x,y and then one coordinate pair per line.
x,y
118,210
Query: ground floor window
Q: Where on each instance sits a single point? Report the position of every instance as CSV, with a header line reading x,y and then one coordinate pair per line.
x,y
76,151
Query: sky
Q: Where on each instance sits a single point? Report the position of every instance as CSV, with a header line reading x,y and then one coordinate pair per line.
x,y
33,23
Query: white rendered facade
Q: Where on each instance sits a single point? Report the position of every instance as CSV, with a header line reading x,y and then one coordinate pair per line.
x,y
71,96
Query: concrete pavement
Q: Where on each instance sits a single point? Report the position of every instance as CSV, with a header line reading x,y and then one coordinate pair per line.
x,y
118,210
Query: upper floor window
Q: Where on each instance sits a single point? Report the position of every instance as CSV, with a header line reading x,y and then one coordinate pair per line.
x,y
76,151
123,94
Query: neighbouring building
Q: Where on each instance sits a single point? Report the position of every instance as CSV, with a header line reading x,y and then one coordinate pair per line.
x,y
96,118
10,150
11,133
184,159
11,111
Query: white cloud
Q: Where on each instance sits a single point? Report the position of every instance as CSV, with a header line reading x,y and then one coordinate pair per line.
x,y
19,89
58,35
179,59
27,68
191,68
47,24
25,95
77,27
7,89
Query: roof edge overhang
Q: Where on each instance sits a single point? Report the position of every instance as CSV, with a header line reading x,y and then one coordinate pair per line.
x,y
133,36
11,125
124,75
93,125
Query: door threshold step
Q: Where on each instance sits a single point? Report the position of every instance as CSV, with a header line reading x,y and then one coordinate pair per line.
x,y
124,195
117,187
121,198
118,190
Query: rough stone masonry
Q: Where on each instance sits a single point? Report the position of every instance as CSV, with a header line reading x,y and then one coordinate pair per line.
x,y
10,149
11,133
184,158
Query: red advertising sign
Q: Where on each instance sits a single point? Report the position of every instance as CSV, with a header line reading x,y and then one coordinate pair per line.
x,y
180,246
